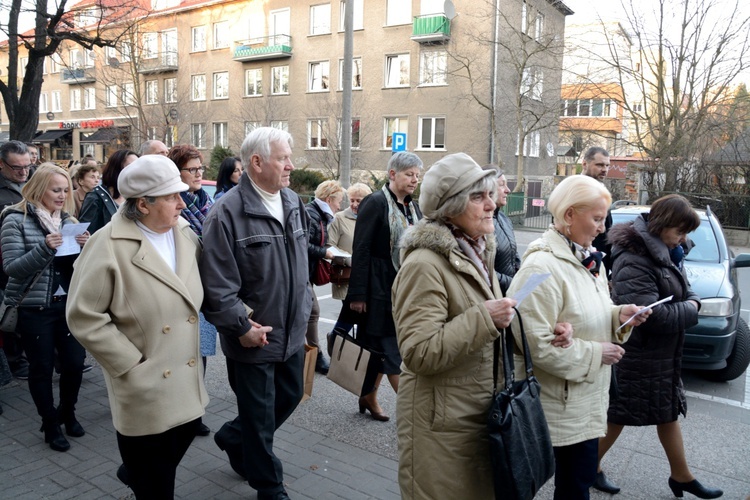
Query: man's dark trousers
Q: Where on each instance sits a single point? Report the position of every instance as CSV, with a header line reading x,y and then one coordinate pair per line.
x,y
267,394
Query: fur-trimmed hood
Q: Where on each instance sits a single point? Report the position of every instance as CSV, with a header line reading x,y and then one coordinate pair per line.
x,y
437,237
633,237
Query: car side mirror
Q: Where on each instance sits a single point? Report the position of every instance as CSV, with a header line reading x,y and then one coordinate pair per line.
x,y
742,260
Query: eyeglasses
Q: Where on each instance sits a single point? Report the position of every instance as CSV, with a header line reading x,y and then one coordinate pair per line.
x,y
18,169
194,170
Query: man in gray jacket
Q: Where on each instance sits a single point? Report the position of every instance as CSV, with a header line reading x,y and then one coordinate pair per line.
x,y
254,272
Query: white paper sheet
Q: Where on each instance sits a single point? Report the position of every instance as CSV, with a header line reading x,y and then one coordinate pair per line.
x,y
69,245
534,281
644,309
339,253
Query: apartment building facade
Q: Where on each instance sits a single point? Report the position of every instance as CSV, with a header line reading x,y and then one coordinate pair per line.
x,y
208,72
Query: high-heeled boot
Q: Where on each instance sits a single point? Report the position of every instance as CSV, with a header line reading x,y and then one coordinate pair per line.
x,y
695,488
73,427
365,404
53,435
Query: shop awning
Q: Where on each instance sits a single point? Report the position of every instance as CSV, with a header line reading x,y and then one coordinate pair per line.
x,y
104,135
52,135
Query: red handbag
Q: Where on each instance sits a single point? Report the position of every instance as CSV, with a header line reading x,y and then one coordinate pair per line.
x,y
322,272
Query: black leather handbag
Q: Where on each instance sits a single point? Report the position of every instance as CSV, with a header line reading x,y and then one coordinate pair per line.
x,y
520,446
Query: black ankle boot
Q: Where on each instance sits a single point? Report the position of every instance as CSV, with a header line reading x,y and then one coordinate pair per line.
x,y
54,436
73,427
601,483
321,364
695,488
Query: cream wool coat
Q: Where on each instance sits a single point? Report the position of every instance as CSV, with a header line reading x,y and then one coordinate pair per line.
x,y
575,383
126,304
445,336
341,236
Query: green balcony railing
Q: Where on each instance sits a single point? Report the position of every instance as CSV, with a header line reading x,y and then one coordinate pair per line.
x,y
431,28
267,47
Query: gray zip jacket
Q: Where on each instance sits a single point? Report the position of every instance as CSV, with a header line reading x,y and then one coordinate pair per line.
x,y
253,264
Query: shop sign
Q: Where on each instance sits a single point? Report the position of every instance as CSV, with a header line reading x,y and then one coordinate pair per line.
x,y
87,124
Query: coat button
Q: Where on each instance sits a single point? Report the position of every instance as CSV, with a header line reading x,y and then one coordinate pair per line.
x,y
166,329
191,362
192,319
167,373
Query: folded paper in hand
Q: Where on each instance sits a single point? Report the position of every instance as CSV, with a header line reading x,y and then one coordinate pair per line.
x,y
644,309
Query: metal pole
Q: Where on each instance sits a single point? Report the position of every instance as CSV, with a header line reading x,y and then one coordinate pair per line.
x,y
345,165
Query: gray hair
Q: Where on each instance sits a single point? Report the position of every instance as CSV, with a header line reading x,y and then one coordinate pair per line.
x,y
12,147
456,204
593,151
146,146
259,142
404,160
131,212
359,188
495,167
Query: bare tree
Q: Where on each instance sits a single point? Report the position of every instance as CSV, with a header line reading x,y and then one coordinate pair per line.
x,y
95,23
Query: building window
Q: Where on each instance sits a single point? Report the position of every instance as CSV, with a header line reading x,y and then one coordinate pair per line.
x,y
126,52
356,73
56,101
198,88
75,99
280,124
75,60
220,134
354,131
152,92
44,66
433,67
152,133
397,70
110,96
128,94
315,135
23,62
198,135
432,133
89,98
253,82
43,102
250,126
539,27
221,85
170,90
221,35
280,80
590,107
524,17
320,19
392,125
318,78
199,39
531,144
639,107
358,21
170,135
150,46
397,12
55,62
532,83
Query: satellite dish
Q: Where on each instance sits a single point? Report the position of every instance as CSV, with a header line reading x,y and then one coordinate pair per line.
x,y
114,62
449,9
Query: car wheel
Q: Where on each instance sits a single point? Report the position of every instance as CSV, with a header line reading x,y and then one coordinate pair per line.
x,y
739,358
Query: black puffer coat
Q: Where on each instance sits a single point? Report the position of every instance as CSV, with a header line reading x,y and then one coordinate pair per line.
x,y
507,261
316,250
648,375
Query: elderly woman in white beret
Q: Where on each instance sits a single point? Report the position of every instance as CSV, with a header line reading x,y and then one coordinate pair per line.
x,y
448,307
134,302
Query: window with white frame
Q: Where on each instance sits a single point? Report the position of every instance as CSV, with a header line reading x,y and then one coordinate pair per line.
x,y
170,90
432,132
397,12
221,35
152,91
356,73
75,60
126,52
56,101
55,62
591,107
280,80
253,82
75,99
316,135
358,22
44,66
355,131
318,76
320,19
539,26
524,17
433,67
128,94
88,58
198,135
250,126
221,135
532,83
23,62
431,7
89,98
531,144
150,46
152,133
397,70
110,96
280,124
392,125
198,39
170,135
198,88
43,102
221,85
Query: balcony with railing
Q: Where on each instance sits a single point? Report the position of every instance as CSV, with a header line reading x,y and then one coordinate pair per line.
x,y
162,62
267,47
77,75
431,28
